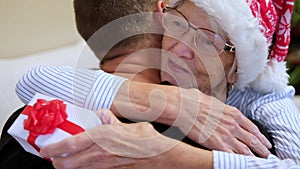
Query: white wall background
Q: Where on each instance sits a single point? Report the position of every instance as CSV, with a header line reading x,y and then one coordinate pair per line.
x,y
29,26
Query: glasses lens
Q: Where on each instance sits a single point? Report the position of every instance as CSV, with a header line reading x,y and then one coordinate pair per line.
x,y
207,39
174,23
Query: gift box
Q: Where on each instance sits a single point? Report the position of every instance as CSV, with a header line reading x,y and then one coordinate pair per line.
x,y
46,120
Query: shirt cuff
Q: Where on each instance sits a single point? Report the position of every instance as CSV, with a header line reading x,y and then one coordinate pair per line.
x,y
103,90
236,161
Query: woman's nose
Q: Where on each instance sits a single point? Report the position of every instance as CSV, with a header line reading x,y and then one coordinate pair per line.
x,y
183,50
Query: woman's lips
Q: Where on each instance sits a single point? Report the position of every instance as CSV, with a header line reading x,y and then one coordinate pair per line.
x,y
176,67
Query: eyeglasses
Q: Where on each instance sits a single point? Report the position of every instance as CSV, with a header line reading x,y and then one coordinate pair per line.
x,y
177,24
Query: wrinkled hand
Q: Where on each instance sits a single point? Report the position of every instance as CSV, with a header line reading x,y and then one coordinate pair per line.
x,y
218,126
118,145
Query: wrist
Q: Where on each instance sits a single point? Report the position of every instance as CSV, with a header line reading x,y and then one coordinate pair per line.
x,y
150,102
172,104
187,106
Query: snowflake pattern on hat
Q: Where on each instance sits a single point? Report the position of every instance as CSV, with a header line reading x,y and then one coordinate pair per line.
x,y
267,16
274,17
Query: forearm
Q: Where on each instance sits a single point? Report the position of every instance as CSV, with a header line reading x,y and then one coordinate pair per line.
x,y
189,157
85,88
55,81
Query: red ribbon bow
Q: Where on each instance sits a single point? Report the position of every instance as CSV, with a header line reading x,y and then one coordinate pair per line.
x,y
44,117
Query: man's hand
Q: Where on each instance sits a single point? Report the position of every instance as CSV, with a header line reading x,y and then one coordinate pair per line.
x,y
218,126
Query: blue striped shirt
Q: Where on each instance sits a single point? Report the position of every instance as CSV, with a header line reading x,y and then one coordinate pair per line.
x,y
96,89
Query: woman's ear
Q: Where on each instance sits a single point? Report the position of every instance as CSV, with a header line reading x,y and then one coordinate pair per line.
x,y
232,73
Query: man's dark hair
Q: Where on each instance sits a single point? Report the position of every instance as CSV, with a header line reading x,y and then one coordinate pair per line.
x,y
92,15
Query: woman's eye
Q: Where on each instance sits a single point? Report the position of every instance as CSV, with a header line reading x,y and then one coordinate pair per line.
x,y
202,39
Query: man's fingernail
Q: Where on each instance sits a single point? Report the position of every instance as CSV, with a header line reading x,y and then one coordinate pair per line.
x,y
255,130
269,145
247,151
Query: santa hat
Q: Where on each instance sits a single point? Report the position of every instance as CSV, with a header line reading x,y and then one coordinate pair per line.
x,y
251,26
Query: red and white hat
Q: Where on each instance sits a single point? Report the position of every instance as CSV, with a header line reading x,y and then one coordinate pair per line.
x,y
251,26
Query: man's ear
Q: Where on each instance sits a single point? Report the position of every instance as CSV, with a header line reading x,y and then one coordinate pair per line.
x,y
160,5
